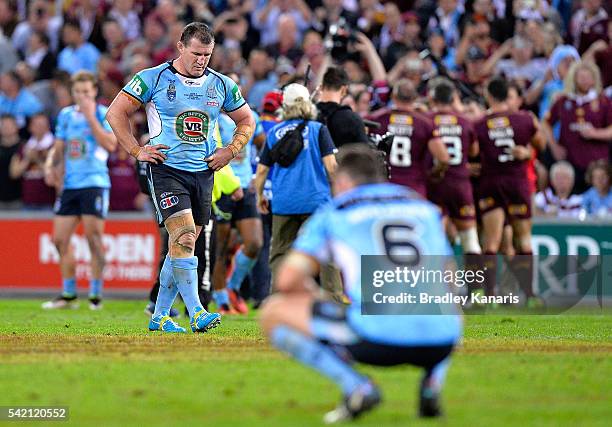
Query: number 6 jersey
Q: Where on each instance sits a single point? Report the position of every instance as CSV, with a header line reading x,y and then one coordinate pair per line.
x,y
182,111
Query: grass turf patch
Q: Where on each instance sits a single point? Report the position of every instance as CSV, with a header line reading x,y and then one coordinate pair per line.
x,y
106,366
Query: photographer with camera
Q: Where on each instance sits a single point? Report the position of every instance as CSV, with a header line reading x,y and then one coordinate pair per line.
x,y
345,126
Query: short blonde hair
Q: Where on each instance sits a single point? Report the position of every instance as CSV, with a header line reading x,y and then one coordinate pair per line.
x,y
570,80
83,76
299,109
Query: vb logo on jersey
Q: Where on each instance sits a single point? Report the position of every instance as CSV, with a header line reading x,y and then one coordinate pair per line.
x,y
192,126
168,202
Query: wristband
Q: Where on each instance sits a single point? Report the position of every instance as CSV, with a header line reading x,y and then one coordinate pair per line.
x,y
135,151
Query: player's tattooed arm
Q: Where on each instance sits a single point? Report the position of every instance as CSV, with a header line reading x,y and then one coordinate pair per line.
x,y
245,126
118,117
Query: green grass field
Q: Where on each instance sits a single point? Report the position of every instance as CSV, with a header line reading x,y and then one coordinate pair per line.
x,y
110,371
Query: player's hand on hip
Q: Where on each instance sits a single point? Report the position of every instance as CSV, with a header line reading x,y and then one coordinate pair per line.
x,y
237,195
220,158
263,206
152,154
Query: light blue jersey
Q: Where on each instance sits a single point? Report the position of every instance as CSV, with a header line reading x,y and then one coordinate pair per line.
x,y
182,111
241,164
84,159
367,221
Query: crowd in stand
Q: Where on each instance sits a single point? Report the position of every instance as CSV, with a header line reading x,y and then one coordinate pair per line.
x,y
557,53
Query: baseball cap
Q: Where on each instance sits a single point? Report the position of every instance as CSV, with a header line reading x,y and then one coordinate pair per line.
x,y
272,101
293,92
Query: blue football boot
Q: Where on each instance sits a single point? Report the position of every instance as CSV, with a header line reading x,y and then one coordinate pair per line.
x,y
202,321
163,322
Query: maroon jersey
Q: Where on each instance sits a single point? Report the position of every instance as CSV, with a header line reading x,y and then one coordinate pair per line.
x,y
573,117
408,156
457,134
498,134
124,182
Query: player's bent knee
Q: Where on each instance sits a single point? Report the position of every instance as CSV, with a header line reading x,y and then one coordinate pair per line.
x,y
181,235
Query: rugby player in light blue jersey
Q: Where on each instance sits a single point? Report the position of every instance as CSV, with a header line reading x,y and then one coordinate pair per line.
x,y
183,99
327,336
83,140
241,213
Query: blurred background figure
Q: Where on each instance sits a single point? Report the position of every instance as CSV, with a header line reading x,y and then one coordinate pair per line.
x,y
597,200
558,200
10,144
28,165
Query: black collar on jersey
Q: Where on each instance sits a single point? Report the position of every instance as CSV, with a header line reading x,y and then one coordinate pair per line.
x,y
175,71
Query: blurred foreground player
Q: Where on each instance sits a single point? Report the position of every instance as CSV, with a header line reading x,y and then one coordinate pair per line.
x,y
325,335
505,138
182,156
77,165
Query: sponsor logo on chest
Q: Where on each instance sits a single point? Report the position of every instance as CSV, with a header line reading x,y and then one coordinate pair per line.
x,y
192,126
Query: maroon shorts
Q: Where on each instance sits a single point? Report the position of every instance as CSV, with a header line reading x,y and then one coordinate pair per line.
x,y
512,194
454,196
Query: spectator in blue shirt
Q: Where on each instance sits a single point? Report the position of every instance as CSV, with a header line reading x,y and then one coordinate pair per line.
x,y
303,186
16,100
78,54
597,200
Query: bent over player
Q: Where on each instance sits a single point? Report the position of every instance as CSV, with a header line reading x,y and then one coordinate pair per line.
x,y
183,99
83,140
324,334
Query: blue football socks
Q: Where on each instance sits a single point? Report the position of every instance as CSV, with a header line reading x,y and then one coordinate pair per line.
x,y
318,356
436,378
69,287
221,297
167,289
242,266
95,287
185,274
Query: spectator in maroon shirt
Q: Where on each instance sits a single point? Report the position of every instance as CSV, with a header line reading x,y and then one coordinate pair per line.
x,y
125,193
589,24
28,165
585,115
600,52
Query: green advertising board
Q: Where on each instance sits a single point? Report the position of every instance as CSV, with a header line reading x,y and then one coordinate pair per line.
x,y
573,257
